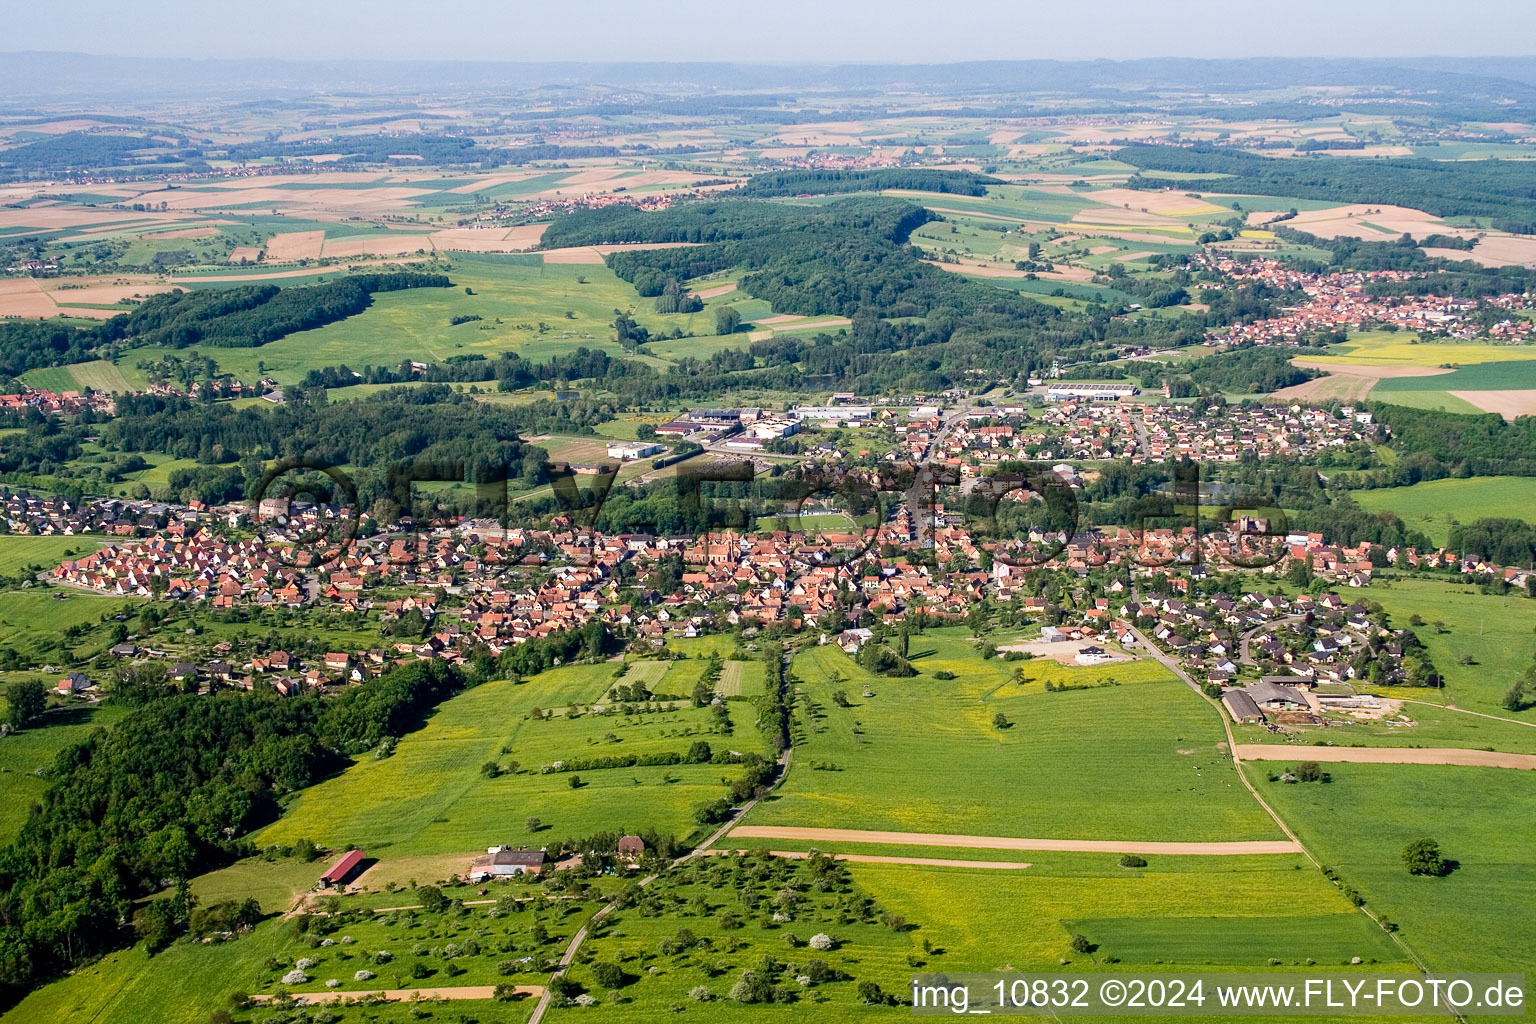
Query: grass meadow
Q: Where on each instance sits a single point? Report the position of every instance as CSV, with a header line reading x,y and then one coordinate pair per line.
x,y
1495,632
27,756
187,981
431,797
514,295
1435,506
1477,918
22,555
1137,760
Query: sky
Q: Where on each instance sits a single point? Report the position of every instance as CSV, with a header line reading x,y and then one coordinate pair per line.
x,y
782,31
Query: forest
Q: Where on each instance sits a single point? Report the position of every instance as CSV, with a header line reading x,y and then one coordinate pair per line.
x,y
793,183
1478,188
168,793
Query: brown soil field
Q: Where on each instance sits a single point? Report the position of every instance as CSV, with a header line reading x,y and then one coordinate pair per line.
x,y
1368,370
244,252
1387,755
496,239
23,297
851,835
295,245
375,245
1508,404
105,294
579,254
595,253
717,290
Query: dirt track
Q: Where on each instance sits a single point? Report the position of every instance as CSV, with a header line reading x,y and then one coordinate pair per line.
x,y
868,858
851,835
401,995
1387,755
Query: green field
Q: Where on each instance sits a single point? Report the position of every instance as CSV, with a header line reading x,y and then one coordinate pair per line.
x,y
1504,375
1333,939
1475,919
20,554
1402,348
1442,401
34,621
1495,632
514,294
972,920
27,756
1132,761
431,798
184,983
1437,505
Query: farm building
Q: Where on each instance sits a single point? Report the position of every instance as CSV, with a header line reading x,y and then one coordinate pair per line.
x,y
343,871
1241,707
503,862
633,450
1092,392
631,848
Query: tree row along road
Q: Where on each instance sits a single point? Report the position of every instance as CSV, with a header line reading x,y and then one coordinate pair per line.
x,y
1387,755
853,835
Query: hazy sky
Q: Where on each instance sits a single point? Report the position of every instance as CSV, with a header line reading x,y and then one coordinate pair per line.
x,y
776,31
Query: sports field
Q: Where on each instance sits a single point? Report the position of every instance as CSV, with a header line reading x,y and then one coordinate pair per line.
x,y
1135,761
1436,505
431,796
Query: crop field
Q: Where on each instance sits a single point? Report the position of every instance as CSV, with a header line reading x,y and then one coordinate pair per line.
x,y
1495,632
1437,505
431,797
1332,939
1394,348
924,755
742,679
1476,917
1443,401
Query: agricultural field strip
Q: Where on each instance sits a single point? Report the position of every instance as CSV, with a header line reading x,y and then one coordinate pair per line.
x,y
844,835
1387,755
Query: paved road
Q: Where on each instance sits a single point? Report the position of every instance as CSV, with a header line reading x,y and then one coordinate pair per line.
x,y
1243,655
